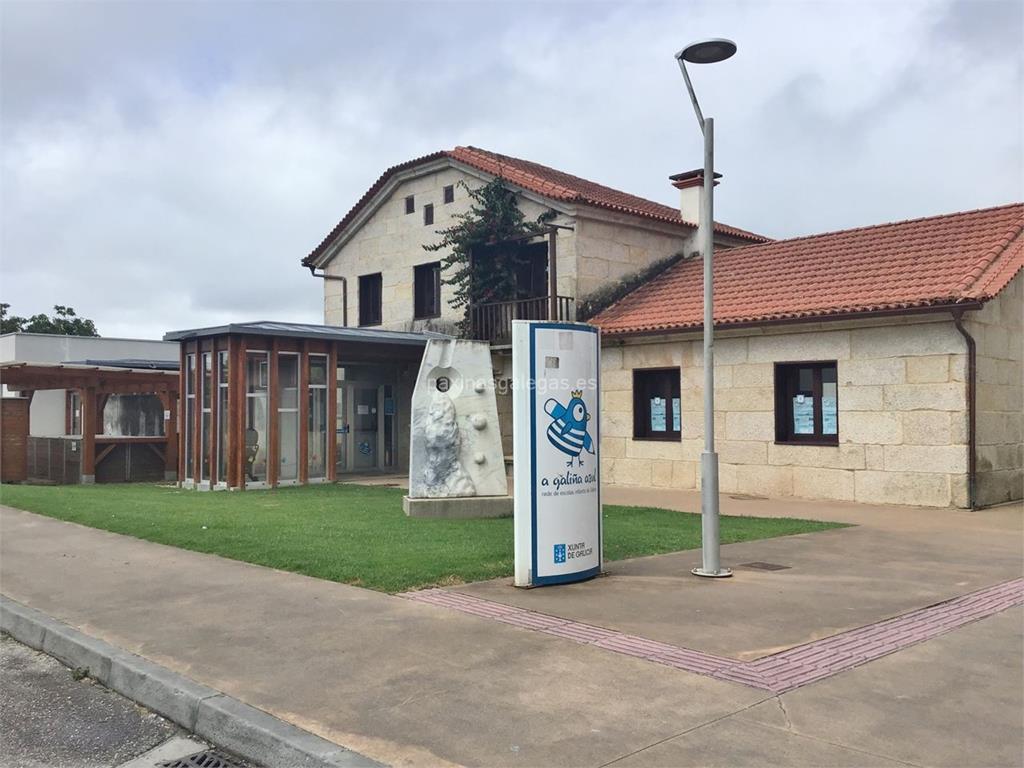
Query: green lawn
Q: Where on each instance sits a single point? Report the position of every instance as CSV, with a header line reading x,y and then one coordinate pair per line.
x,y
354,534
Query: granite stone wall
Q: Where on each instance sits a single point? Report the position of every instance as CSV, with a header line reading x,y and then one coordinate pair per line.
x,y
902,413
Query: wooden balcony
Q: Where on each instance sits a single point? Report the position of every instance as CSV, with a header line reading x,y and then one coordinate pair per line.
x,y
493,321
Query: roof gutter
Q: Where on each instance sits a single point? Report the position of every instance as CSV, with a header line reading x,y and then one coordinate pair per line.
x,y
938,308
972,409
344,290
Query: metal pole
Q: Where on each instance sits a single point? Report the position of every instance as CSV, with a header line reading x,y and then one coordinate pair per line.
x,y
711,565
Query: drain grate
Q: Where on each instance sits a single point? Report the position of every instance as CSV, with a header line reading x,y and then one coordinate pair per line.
x,y
759,566
208,758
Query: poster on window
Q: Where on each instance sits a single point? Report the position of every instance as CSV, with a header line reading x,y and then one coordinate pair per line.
x,y
829,416
658,414
675,414
803,415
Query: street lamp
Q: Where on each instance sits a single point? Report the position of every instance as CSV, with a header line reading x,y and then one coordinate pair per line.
x,y
707,52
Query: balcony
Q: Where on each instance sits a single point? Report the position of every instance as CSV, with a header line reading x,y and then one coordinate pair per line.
x,y
493,321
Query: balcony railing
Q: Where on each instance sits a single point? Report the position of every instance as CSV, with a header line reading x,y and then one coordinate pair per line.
x,y
493,321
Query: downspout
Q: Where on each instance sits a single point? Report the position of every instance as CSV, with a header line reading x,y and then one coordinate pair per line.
x,y
344,291
972,415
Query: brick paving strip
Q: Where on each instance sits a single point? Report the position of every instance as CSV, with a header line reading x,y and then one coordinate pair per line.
x,y
779,672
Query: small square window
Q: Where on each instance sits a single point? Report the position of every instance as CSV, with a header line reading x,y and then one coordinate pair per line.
x,y
656,404
428,214
449,194
410,204
806,403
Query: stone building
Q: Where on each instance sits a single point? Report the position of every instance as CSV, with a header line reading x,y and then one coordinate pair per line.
x,y
377,274
879,365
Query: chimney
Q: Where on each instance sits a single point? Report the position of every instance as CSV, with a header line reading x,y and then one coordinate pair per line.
x,y
690,184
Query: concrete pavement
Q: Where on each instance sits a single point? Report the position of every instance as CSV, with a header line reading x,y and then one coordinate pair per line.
x,y
412,684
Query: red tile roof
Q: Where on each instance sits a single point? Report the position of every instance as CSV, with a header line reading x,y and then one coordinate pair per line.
x,y
959,258
540,180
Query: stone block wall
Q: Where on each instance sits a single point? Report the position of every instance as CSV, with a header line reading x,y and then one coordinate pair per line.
x,y
999,337
613,247
902,413
391,242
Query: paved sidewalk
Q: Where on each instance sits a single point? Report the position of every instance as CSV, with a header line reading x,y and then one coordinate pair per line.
x,y
413,684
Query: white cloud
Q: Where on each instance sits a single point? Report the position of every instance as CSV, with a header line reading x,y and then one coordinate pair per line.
x,y
170,170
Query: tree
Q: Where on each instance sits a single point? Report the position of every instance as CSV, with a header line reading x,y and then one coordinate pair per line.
x,y
483,256
64,322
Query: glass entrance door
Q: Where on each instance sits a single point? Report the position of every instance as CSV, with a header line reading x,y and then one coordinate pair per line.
x,y
365,425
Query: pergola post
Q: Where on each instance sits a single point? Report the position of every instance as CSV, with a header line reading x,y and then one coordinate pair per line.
x,y
89,403
236,413
303,427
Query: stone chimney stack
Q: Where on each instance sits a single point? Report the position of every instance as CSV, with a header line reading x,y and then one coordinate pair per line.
x,y
690,185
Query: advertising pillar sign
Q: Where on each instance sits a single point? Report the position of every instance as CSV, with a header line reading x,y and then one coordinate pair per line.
x,y
556,444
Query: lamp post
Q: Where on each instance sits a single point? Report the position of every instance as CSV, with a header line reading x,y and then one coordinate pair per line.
x,y
707,52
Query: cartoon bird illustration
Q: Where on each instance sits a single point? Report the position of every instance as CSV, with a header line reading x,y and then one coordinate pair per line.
x,y
568,428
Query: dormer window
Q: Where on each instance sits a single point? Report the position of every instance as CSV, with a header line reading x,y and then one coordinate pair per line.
x,y
410,204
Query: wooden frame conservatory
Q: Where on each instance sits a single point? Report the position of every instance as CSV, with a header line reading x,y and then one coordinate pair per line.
x,y
264,404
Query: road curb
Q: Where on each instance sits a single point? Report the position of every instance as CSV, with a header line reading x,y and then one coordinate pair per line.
x,y
212,715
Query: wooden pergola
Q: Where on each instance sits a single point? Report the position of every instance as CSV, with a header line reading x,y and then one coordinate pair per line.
x,y
95,383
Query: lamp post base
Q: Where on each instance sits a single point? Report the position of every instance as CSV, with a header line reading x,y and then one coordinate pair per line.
x,y
721,573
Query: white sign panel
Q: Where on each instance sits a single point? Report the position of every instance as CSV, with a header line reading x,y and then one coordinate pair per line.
x,y
556,442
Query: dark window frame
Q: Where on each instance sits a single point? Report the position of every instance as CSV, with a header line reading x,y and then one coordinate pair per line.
x,y
666,382
410,204
428,214
371,289
786,387
449,194
426,282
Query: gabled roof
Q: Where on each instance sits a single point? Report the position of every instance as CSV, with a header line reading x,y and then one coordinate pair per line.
x,y
536,178
941,261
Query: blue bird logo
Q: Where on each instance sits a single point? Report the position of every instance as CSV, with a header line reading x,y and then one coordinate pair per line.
x,y
568,428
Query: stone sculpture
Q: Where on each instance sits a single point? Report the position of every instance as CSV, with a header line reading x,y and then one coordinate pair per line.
x,y
455,445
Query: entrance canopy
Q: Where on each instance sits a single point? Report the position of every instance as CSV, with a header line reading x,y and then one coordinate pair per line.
x,y
268,403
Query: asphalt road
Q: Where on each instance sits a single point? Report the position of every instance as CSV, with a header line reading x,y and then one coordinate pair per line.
x,y
51,717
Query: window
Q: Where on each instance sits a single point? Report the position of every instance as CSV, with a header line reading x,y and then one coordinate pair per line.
x,y
369,299
656,412
74,417
449,194
222,416
410,204
190,412
316,429
428,213
207,416
288,416
427,290
806,406
133,415
257,374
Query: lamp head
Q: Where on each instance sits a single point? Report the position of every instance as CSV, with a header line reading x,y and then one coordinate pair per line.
x,y
707,51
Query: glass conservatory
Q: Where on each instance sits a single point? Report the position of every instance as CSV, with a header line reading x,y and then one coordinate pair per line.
x,y
271,404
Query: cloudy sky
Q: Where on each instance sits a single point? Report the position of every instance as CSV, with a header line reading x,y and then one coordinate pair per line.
x,y
167,165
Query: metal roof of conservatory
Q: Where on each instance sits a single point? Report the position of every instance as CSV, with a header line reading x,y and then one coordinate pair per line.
x,y
307,331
